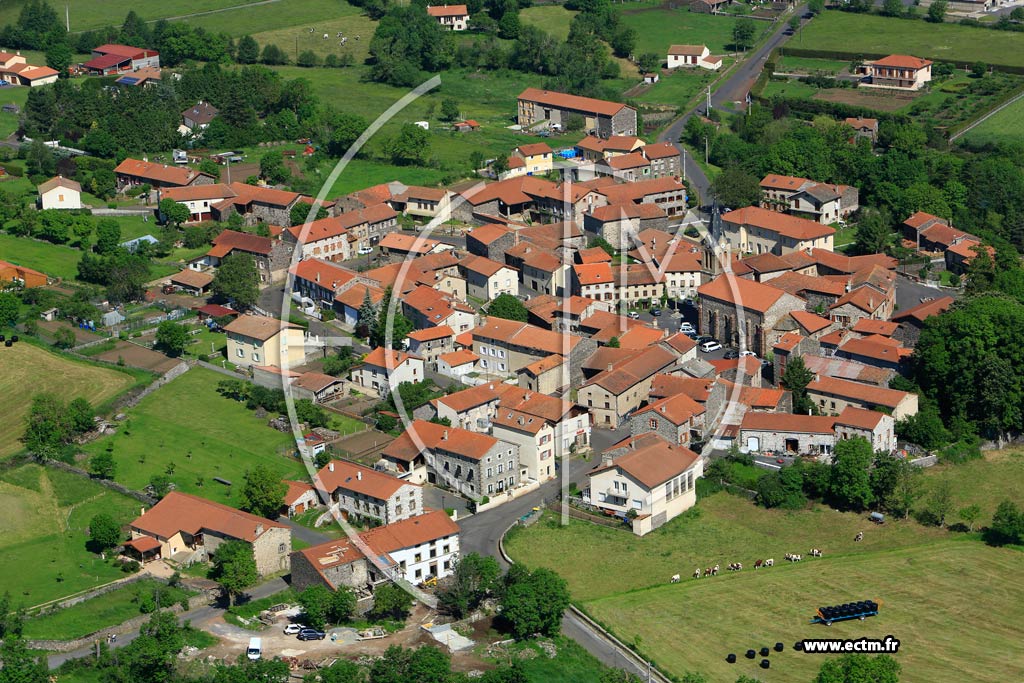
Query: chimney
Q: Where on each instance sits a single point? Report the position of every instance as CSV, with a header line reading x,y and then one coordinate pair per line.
x,y
359,475
609,367
444,435
663,409
142,511
606,459
520,420
330,466
528,396
259,528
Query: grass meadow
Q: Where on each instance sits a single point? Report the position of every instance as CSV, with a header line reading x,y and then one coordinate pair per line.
x,y
26,369
197,433
57,260
1005,125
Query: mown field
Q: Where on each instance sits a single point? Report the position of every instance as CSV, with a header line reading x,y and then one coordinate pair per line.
x,y
657,28
857,34
188,427
57,260
26,370
46,513
948,598
1005,125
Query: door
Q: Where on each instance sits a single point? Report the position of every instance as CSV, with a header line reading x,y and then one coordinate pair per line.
x,y
753,444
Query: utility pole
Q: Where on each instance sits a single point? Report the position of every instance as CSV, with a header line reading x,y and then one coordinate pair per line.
x,y
684,164
709,101
67,16
705,150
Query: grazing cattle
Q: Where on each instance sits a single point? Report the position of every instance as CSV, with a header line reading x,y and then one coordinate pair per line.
x,y
696,573
735,567
859,536
326,36
815,552
707,571
758,564
714,570
674,579
340,34
770,562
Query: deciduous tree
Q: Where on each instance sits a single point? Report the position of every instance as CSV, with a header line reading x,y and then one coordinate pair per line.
x,y
849,481
104,532
172,337
534,601
234,567
508,307
263,492
237,280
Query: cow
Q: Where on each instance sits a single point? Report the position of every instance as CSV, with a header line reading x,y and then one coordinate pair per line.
x,y
815,552
674,579
859,536
714,570
758,564
326,36
770,562
696,573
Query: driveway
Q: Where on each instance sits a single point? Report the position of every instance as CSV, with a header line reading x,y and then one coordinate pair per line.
x,y
910,293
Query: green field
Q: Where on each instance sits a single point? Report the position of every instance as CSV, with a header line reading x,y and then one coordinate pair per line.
x,y
46,515
985,482
98,613
1005,125
859,34
947,598
53,259
553,19
676,87
11,95
187,423
808,65
26,369
658,28
272,16
90,14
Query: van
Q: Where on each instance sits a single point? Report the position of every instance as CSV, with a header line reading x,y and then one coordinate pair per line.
x,y
255,649
709,346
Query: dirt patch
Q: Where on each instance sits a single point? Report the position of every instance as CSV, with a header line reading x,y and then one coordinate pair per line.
x,y
861,98
50,327
139,357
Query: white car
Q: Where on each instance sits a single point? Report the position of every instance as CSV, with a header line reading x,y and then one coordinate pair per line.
x,y
747,353
365,250
633,315
709,346
686,327
292,629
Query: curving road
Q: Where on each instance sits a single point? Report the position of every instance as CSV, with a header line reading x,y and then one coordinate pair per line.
x,y
732,91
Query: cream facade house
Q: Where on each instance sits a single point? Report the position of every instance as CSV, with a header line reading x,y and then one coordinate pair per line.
x,y
487,279
755,230
900,72
648,479
258,340
382,370
451,17
623,386
363,491
417,549
692,56
60,193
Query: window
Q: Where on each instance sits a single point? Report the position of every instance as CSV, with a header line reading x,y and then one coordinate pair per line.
x,y
653,424
446,549
433,553
501,467
501,366
637,504
256,357
490,472
490,488
616,485
419,573
412,504
398,509
418,557
281,550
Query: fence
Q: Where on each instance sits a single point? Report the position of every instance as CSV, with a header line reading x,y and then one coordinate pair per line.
x,y
926,461
112,485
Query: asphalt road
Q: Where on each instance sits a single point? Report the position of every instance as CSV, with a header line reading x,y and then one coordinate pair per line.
x,y
910,293
733,90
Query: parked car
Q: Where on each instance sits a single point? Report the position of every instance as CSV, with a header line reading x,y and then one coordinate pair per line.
x,y
686,327
731,354
365,250
748,352
655,312
701,338
292,629
633,315
709,346
311,634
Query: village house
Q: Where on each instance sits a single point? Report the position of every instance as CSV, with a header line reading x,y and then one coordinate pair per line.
x,y
14,70
429,343
603,118
317,282
490,241
779,433
349,301
645,480
270,256
355,490
423,202
506,346
617,224
863,127
537,158
258,205
401,245
540,270
143,78
721,301
333,564
755,230
669,194
593,281
833,395
415,549
112,58
133,172
822,202
691,56
60,193
197,117
624,385
900,72
198,199
457,363
258,340
382,370
21,276
911,320
300,497
678,419
593,148
959,256
452,17
875,426
427,307
326,238
487,279
875,350
546,376
316,387
187,528
664,160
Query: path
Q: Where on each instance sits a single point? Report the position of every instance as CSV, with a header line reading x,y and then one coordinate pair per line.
x,y
733,89
998,109
215,11
263,590
303,533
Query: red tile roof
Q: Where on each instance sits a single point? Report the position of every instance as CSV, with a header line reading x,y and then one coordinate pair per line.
x,y
229,240
534,148
387,358
678,408
258,327
687,49
353,296
431,333
434,436
810,322
886,328
784,224
413,244
460,357
746,293
192,278
786,422
351,476
654,464
486,234
902,62
482,265
860,418
326,274
866,393
447,11
296,489
574,102
526,336
593,273
667,385
184,512
263,195
162,173
925,310
411,532
197,192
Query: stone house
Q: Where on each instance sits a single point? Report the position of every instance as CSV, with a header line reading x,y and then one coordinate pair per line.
x,y
722,301
357,490
430,343
600,117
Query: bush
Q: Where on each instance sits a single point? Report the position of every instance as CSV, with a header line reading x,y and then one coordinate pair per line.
x,y
130,566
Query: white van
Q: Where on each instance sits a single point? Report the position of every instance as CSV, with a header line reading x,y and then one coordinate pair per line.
x,y
709,346
255,649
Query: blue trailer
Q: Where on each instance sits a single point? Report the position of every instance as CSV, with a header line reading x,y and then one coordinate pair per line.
x,y
851,610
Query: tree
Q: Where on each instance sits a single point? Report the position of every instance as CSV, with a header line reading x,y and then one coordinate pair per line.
x,y
248,51
970,514
979,69
172,337
20,664
161,485
816,6
1007,526
734,187
857,668
390,602
47,426
104,532
9,307
743,33
649,61
409,147
347,129
614,343
273,55
108,235
342,605
272,168
405,665
940,502
341,671
874,231
449,109
937,11
237,280
308,58
102,465
508,307
340,363
367,315
500,165
534,601
174,213
623,41
63,338
473,579
234,567
263,492
849,481
401,326
314,600
892,8
59,56
924,428
795,379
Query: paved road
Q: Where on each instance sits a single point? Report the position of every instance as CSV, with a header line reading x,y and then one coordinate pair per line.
x,y
733,90
197,615
304,534
910,293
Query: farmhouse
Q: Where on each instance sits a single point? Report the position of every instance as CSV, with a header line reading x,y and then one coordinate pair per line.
x,y
20,275
875,426
258,340
133,172
833,395
418,548
301,496
900,72
777,433
647,479
113,58
863,127
60,193
358,491
678,419
198,199
331,564
15,71
271,256
755,230
454,17
258,204
691,56
188,528
602,118
624,385
382,370
823,202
